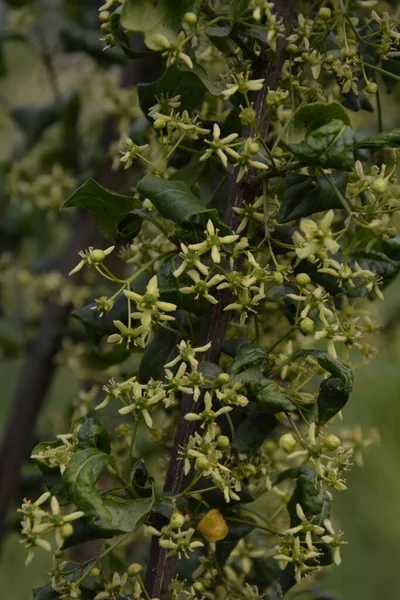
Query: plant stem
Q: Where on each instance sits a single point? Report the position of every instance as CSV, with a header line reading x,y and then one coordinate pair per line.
x,y
161,570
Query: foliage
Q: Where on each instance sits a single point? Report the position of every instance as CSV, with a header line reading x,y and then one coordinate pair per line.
x,y
219,344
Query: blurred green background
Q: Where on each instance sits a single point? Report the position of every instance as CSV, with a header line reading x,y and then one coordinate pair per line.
x,y
367,512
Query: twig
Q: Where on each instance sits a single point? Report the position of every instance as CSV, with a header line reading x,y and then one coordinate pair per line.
x,y
161,570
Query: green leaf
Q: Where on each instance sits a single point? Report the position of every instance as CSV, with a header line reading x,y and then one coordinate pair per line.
x,y
123,40
92,434
175,81
45,592
141,480
174,200
77,39
159,352
332,397
152,17
106,206
307,494
313,116
330,146
305,195
252,432
111,514
386,139
249,356
326,361
97,326
265,392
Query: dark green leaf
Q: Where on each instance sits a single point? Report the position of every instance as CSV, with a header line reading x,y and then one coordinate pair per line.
x,y
233,347
236,532
264,392
141,480
305,195
249,356
122,38
45,592
106,206
83,532
332,397
330,364
307,493
158,353
330,146
174,200
92,434
175,81
77,39
252,432
130,224
313,116
209,370
152,18
97,326
386,139
110,515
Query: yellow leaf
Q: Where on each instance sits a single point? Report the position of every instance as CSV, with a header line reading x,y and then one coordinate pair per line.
x,y
213,526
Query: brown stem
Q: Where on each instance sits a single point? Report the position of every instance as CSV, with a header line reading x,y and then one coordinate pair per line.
x,y
161,569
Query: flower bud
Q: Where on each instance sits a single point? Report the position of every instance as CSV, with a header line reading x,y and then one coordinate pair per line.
x,y
379,185
303,279
292,49
198,587
97,256
223,378
213,526
67,530
325,13
134,569
254,147
159,124
202,463
177,520
223,442
371,87
287,442
104,16
332,442
307,325
161,40
190,18
95,572
277,278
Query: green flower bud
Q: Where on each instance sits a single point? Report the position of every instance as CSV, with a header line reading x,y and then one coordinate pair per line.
x,y
190,18
277,278
202,463
254,148
332,442
307,325
159,124
371,87
198,587
134,569
97,256
287,442
380,185
277,153
303,279
292,49
67,530
177,520
95,572
104,16
223,441
325,13
223,378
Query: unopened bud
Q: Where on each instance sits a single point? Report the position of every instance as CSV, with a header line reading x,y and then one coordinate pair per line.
x,y
95,572
159,124
104,16
287,442
325,13
97,256
177,520
134,569
202,463
223,441
190,18
371,87
332,442
303,279
277,277
380,185
67,530
223,378
307,325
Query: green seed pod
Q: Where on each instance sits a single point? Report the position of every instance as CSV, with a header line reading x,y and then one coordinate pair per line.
x,y
190,18
177,520
104,16
223,378
95,572
159,124
97,256
325,13
223,441
379,185
371,87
